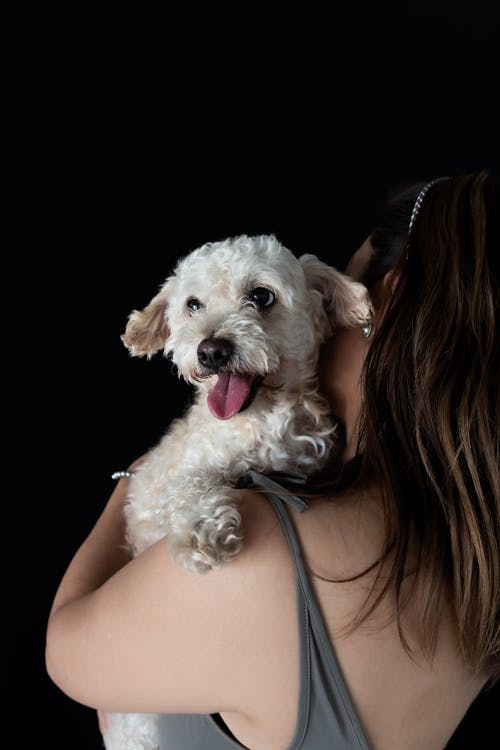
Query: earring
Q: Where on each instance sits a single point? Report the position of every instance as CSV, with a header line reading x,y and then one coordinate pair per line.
x,y
366,330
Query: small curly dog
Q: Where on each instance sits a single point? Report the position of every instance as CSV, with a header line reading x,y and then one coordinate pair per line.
x,y
242,320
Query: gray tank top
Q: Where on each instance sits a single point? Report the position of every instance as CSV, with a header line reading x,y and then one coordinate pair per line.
x,y
326,718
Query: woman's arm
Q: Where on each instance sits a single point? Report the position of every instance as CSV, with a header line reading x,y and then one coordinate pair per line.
x,y
101,555
145,635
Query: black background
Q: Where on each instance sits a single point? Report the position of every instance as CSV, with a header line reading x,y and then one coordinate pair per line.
x,y
143,130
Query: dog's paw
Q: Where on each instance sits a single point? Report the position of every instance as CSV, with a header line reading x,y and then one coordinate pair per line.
x,y
211,543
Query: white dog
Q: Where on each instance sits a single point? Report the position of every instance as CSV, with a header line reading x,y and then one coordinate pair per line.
x,y
243,320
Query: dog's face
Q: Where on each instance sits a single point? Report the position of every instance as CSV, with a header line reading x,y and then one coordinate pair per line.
x,y
244,315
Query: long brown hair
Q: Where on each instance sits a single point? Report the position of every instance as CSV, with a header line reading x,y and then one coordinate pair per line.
x,y
431,411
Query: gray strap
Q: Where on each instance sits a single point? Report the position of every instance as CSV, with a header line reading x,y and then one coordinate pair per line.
x,y
266,483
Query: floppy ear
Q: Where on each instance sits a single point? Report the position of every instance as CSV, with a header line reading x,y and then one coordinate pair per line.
x,y
346,302
147,329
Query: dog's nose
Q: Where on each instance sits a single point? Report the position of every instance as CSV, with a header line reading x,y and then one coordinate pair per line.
x,y
214,353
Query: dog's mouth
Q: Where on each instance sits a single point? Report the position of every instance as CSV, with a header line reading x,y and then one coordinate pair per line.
x,y
232,394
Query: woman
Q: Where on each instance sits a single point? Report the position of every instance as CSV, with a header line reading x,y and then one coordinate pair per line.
x,y
370,620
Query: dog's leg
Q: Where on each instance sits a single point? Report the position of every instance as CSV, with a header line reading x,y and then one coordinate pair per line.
x,y
204,526
197,516
132,732
184,491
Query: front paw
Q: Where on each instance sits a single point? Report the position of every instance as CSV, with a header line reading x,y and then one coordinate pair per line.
x,y
210,542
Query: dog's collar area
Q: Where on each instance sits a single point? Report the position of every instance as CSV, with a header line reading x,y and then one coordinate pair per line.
x,y
262,481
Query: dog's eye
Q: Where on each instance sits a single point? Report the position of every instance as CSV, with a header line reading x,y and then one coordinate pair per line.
x,y
262,297
194,304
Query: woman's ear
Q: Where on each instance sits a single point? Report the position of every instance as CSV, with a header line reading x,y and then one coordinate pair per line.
x,y
147,330
389,281
383,290
346,302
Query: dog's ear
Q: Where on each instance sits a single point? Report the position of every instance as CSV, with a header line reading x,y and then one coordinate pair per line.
x,y
147,330
345,301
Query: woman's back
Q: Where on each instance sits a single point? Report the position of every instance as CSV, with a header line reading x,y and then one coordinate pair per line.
x,y
401,704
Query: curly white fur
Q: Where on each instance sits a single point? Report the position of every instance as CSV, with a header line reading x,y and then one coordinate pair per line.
x,y
183,491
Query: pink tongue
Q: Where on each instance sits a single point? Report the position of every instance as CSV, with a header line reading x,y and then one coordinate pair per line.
x,y
228,395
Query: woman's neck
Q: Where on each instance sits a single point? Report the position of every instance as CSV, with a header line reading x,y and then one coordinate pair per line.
x,y
340,367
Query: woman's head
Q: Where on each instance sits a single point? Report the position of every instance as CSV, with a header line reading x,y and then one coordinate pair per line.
x,y
381,251
431,402
343,355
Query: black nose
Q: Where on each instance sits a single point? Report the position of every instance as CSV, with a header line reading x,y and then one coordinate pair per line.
x,y
214,353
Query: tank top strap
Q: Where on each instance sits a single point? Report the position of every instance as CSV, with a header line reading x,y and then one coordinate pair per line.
x,y
322,665
278,496
272,487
